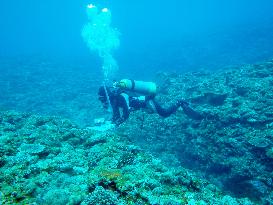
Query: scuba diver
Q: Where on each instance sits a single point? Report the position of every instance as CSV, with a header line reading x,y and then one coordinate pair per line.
x,y
122,97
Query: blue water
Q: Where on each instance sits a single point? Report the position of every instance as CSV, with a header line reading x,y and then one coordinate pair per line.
x,y
158,35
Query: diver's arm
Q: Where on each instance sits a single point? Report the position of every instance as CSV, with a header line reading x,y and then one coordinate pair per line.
x,y
120,103
116,113
125,109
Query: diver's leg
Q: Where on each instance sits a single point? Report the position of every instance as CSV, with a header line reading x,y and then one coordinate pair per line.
x,y
165,112
189,111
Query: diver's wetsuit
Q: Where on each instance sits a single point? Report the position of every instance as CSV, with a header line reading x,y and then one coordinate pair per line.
x,y
126,103
121,102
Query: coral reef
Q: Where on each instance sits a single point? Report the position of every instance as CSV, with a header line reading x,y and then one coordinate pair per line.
x,y
222,159
51,161
232,145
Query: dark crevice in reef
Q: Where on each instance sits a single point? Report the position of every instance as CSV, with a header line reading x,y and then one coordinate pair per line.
x,y
44,154
219,169
122,194
2,162
246,187
211,99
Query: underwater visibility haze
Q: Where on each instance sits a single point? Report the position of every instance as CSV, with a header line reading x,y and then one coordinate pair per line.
x,y
175,35
200,130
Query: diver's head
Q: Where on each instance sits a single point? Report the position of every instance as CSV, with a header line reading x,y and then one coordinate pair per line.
x,y
102,93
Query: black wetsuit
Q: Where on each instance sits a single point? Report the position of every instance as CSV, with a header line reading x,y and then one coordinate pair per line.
x,y
126,103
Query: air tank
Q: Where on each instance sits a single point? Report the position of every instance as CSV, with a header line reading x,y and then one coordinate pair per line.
x,y
142,87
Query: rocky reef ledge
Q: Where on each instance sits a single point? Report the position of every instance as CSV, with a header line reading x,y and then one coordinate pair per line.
x,y
232,146
47,160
